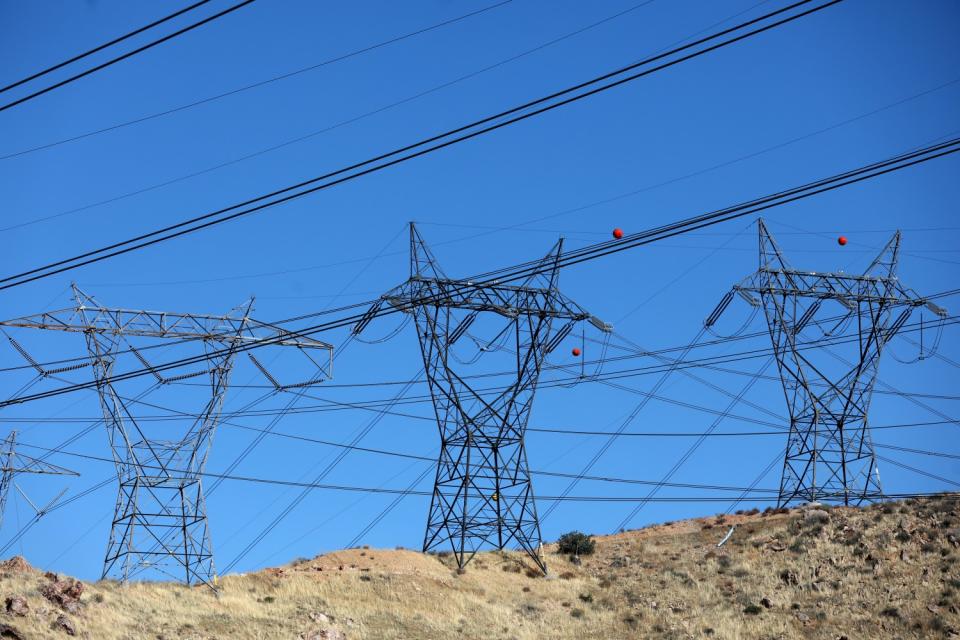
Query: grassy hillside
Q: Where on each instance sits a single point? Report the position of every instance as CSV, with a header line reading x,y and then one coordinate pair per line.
x,y
886,571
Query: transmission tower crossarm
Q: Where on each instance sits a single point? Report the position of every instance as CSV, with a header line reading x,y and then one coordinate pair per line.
x,y
14,462
227,329
848,289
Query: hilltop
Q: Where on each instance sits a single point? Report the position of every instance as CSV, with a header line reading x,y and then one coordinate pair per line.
x,y
884,571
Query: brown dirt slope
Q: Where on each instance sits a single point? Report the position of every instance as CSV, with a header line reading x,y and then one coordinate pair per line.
x,y
886,571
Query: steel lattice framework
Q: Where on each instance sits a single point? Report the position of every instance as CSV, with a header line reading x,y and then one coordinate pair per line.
x,y
15,463
829,455
483,495
160,519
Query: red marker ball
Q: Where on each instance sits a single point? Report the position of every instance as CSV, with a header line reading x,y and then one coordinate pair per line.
x,y
842,240
575,351
618,233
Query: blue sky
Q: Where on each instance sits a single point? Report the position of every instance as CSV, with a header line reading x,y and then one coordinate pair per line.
x,y
855,83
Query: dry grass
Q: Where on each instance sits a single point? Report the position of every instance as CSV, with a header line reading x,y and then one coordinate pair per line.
x,y
887,571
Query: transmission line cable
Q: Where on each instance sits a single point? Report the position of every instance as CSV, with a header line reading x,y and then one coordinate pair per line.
x,y
368,303
918,471
623,426
691,450
303,494
763,474
386,490
391,506
103,46
430,144
261,83
923,452
624,373
124,56
351,120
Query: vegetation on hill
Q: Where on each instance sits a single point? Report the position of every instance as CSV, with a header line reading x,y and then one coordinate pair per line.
x,y
885,571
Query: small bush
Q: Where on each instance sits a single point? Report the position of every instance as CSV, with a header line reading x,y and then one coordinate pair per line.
x,y
586,597
576,543
576,613
752,609
891,612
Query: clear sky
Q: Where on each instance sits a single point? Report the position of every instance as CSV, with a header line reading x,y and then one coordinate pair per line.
x,y
855,83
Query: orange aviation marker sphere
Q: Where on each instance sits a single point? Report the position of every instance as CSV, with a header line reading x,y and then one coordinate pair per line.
x,y
618,233
842,240
575,351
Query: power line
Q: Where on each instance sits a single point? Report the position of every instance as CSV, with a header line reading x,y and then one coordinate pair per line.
x,y
357,118
353,488
921,472
635,352
428,145
923,452
254,85
124,56
691,450
293,504
747,355
103,46
554,474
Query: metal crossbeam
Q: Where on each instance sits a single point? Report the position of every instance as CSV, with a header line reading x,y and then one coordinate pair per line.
x,y
86,318
483,495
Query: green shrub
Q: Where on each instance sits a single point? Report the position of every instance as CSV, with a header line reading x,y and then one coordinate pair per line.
x,y
577,543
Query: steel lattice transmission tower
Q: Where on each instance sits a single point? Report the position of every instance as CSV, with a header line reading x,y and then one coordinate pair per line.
x,y
829,455
14,462
483,495
160,520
